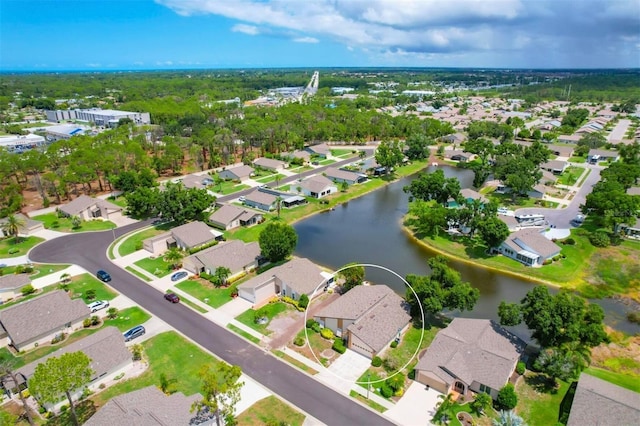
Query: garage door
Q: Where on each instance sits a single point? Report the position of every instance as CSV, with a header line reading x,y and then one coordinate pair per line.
x,y
264,293
247,295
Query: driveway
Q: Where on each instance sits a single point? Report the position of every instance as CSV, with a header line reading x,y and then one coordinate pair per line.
x,y
235,307
416,407
343,373
152,327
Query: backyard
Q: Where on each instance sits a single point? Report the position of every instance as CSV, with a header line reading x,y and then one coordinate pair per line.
x,y
538,403
64,224
9,247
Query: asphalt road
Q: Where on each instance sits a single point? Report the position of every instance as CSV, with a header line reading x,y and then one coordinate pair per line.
x,y
88,250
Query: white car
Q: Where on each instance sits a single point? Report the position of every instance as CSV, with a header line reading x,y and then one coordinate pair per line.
x,y
97,305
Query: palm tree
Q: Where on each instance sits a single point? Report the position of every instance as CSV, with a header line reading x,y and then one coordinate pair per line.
x,y
222,273
278,205
508,418
12,226
173,256
444,409
166,383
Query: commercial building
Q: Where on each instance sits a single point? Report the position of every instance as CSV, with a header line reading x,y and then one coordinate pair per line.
x,y
97,116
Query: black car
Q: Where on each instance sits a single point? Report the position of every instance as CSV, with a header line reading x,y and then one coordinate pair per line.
x,y
103,276
131,334
172,297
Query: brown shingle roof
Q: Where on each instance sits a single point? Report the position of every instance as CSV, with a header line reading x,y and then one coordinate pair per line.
x,y
228,213
234,254
261,197
83,202
146,407
269,163
597,402
354,303
302,275
194,234
317,183
14,281
335,173
47,313
474,350
322,149
535,240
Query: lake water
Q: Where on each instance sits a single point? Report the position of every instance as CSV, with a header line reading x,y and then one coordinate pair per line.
x,y
367,230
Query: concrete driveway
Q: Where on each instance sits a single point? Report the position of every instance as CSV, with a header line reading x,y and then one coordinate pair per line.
x,y
416,407
152,327
343,373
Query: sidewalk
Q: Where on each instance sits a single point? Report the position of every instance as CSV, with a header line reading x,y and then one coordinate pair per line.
x,y
50,279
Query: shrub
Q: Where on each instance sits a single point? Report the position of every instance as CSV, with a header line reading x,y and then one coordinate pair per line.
x,y
205,276
102,386
299,341
376,361
599,238
58,338
139,246
338,346
27,269
507,398
90,294
633,317
386,391
310,323
547,262
520,368
112,312
136,351
27,290
391,364
64,408
316,327
13,250
326,333
394,344
55,224
304,301
95,320
556,258
569,241
86,323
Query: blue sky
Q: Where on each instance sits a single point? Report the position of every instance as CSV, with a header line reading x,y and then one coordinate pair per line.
x,y
169,34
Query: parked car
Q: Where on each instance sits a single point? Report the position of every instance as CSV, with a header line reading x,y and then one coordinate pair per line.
x,y
178,276
97,305
172,297
103,276
242,199
131,334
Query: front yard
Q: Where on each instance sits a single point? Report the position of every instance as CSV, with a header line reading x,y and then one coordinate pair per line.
x,y
134,242
268,311
155,266
128,318
9,247
228,187
63,224
39,269
206,292
270,411
271,178
87,287
571,175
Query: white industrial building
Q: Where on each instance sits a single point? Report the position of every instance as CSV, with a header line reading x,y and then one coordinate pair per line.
x,y
21,143
65,131
97,116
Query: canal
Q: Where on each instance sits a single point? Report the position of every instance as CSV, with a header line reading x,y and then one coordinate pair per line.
x,y
368,230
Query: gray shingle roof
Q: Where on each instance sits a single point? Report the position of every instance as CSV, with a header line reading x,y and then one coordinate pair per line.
x,y
194,234
83,202
233,254
474,350
261,197
603,152
269,163
597,402
241,171
43,314
146,407
14,281
228,213
335,173
105,348
302,275
356,302
317,184
322,149
534,239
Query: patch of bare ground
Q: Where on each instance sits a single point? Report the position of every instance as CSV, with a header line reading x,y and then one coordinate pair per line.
x,y
612,356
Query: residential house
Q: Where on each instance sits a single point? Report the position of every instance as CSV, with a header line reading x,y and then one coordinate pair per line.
x,y
240,173
186,237
510,221
238,256
569,138
458,155
368,317
11,284
270,164
305,156
529,246
261,200
468,195
631,230
296,277
537,191
555,166
148,407
197,181
230,216
561,150
597,155
474,355
105,348
598,402
454,138
317,186
320,150
38,320
88,208
28,227
339,176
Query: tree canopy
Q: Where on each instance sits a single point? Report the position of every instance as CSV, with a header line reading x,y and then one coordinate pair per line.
x,y
353,276
221,387
434,186
277,241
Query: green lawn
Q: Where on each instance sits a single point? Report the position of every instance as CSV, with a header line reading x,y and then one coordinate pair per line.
x,y
270,310
39,269
190,304
627,381
291,360
243,333
570,175
128,318
137,273
82,283
9,247
118,201
341,152
326,162
134,241
271,178
577,160
206,292
63,224
170,354
156,266
379,408
301,169
407,348
228,187
270,411
537,403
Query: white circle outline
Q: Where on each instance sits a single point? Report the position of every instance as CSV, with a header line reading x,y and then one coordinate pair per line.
x,y
323,283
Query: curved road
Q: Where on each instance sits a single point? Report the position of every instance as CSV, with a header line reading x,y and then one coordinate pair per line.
x,y
88,250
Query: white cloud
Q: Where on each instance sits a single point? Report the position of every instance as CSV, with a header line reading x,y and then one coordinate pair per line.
x,y
246,29
509,29
164,63
306,40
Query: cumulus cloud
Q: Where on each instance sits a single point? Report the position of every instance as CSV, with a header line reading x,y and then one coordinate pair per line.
x,y
583,33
